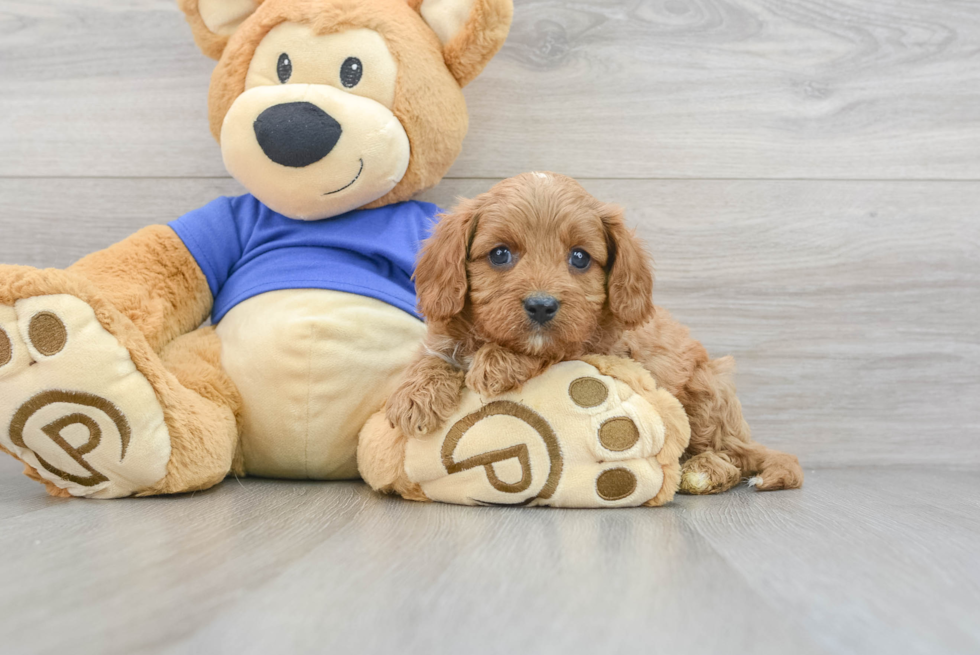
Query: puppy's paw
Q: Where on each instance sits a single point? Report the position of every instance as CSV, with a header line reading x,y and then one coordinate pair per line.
x,y
708,473
779,471
484,383
419,410
496,371
411,414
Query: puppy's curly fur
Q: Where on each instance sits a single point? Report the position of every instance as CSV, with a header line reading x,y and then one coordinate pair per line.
x,y
528,237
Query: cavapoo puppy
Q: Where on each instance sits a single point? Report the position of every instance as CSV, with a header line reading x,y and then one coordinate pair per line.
x,y
537,271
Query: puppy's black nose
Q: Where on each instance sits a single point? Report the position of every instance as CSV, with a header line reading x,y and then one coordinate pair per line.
x,y
541,308
296,134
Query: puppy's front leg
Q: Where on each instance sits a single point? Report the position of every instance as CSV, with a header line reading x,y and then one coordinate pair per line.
x,y
496,370
427,396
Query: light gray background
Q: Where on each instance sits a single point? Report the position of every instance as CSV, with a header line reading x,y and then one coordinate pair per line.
x,y
807,175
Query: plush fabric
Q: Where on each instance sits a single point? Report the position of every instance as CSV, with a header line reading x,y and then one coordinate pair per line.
x,y
115,441
112,385
312,147
210,24
428,103
153,280
595,433
468,51
201,432
245,249
311,367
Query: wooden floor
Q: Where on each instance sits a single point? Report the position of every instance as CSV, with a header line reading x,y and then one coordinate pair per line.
x,y
807,176
862,560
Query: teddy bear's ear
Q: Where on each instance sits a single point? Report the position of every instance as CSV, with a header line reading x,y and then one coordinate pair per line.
x,y
471,31
214,21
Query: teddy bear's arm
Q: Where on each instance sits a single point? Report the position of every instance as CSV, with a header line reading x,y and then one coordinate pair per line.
x,y
152,278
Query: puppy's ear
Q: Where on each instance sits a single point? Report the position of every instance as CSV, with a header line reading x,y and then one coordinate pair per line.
x,y
629,272
214,21
440,277
471,31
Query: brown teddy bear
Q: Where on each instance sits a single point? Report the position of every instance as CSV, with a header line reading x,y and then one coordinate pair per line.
x,y
333,114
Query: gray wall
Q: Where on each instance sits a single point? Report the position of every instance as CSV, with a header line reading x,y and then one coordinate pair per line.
x,y
806,175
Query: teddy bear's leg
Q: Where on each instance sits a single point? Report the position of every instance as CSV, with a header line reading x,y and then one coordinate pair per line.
x,y
677,428
95,412
89,406
205,430
593,433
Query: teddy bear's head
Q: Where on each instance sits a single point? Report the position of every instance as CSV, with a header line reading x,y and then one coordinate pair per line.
x,y
324,106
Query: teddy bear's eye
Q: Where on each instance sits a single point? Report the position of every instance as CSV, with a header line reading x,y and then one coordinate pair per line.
x,y
284,68
351,71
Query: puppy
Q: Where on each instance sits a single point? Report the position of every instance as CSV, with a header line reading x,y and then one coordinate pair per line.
x,y
537,271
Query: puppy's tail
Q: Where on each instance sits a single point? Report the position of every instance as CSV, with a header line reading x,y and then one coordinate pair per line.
x,y
724,367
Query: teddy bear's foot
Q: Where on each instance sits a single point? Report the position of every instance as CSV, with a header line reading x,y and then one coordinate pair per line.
x,y
571,437
73,406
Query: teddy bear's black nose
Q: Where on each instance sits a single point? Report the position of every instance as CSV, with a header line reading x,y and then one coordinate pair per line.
x,y
296,134
541,308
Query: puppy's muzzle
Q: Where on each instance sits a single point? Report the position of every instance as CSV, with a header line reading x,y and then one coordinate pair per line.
x,y
296,134
541,308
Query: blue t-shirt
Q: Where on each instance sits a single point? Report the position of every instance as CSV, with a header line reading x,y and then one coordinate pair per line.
x,y
244,249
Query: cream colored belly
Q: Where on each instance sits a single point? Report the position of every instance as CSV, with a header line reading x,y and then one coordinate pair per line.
x,y
312,366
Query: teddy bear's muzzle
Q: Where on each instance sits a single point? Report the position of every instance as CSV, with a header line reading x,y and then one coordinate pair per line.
x,y
296,134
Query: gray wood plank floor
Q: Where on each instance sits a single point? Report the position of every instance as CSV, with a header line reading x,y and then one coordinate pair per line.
x,y
862,560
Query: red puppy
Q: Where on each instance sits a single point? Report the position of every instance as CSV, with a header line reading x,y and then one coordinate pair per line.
x,y
536,271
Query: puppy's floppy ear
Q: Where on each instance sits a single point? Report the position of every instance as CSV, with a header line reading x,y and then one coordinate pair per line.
x,y
629,272
471,31
440,277
214,21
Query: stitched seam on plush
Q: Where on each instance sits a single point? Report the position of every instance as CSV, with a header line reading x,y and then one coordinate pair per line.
x,y
309,398
346,288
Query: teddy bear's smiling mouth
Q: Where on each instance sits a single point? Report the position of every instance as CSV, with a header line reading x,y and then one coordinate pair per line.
x,y
360,170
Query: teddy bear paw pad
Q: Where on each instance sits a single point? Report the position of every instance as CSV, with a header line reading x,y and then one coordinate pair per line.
x,y
571,437
72,403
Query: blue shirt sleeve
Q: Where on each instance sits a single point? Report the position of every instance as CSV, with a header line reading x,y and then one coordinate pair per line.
x,y
213,235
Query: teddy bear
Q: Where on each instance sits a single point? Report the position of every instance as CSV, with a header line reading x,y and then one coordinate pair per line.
x,y
332,114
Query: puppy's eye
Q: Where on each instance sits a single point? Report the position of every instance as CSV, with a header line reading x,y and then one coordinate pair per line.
x,y
579,260
351,71
500,256
284,69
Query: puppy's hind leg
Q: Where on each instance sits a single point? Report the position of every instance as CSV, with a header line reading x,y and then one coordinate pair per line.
x,y
709,472
721,441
